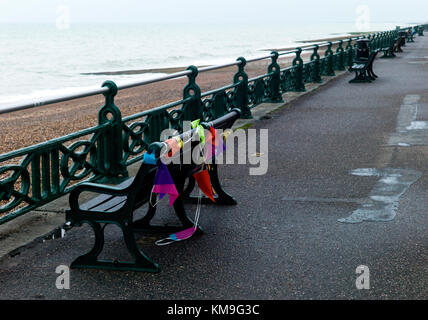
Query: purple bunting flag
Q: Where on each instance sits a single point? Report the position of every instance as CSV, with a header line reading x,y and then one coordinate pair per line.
x,y
164,184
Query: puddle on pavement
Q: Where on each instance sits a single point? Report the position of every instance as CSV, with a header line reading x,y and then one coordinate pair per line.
x,y
58,233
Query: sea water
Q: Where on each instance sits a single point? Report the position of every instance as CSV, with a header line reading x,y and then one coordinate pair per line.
x,y
40,60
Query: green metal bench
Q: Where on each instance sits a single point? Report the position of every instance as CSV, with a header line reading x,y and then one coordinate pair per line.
x,y
116,204
401,42
388,52
363,69
409,36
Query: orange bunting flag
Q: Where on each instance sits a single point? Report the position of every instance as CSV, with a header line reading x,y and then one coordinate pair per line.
x,y
204,183
214,136
175,145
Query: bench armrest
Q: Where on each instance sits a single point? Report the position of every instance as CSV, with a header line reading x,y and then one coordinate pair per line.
x,y
93,187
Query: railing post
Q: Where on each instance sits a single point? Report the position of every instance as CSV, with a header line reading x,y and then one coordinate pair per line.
x,y
377,41
240,98
392,37
315,57
383,42
274,83
340,58
192,109
110,144
299,84
329,56
349,53
371,43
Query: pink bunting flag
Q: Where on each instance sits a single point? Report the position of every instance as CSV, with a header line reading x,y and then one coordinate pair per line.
x,y
184,234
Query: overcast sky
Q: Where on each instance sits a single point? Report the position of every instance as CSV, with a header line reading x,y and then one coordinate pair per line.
x,y
213,11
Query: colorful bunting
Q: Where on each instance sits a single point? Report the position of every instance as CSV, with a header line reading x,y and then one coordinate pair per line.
x,y
214,146
199,130
175,144
214,136
149,158
164,184
204,183
186,233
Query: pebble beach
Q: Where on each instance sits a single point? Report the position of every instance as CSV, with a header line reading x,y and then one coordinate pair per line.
x,y
24,128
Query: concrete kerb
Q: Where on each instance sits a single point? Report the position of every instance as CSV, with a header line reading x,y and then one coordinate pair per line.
x,y
49,220
263,110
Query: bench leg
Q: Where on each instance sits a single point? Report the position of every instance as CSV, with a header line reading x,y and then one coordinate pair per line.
x,y
90,260
366,76
371,73
143,225
188,190
141,262
223,197
360,76
388,54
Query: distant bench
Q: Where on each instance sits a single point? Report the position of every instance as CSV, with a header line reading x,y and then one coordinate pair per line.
x,y
363,68
401,41
409,37
395,46
116,204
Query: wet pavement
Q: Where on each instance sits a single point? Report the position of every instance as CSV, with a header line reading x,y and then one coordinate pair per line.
x,y
342,152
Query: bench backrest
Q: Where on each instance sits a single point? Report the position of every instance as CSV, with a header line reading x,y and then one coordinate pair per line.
x,y
143,181
371,57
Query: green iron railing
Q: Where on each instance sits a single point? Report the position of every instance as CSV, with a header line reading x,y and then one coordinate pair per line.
x,y
35,175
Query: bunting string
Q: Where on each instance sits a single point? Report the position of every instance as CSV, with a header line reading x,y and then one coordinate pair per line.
x,y
210,146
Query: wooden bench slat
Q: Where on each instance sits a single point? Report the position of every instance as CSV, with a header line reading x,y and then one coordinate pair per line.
x,y
111,205
95,202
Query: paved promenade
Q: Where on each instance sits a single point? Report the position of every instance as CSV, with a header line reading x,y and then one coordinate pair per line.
x,y
347,185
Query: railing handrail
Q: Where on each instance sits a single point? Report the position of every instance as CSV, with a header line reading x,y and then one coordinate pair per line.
x,y
30,103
